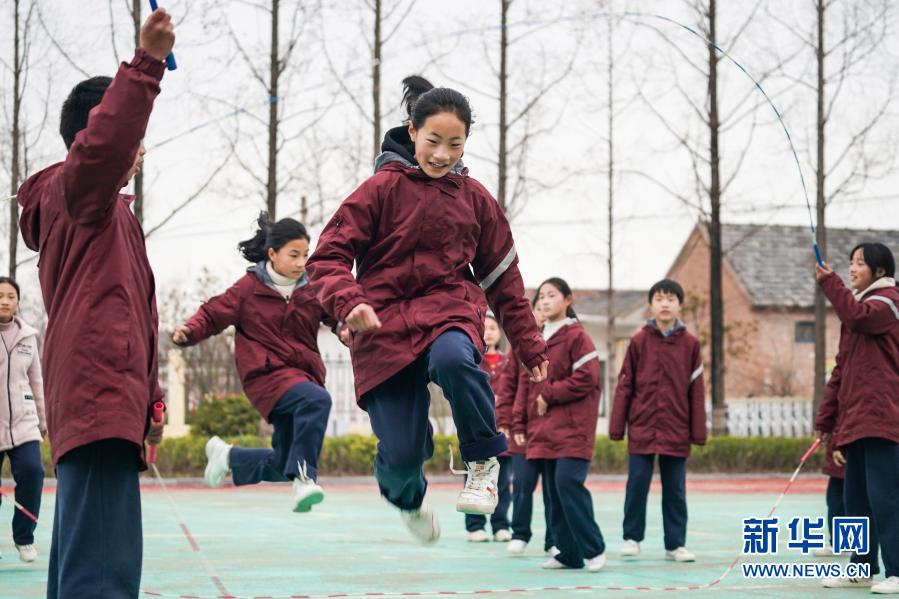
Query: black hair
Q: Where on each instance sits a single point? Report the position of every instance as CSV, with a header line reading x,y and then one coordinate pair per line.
x,y
269,235
667,286
876,256
12,281
422,100
564,289
78,105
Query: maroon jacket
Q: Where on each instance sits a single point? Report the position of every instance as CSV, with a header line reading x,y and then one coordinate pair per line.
x,y
505,395
100,362
415,241
660,397
863,390
568,429
276,343
497,374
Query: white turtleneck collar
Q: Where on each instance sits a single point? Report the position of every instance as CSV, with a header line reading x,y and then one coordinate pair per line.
x,y
551,328
284,285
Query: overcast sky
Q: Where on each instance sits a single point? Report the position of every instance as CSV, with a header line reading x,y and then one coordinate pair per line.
x,y
212,101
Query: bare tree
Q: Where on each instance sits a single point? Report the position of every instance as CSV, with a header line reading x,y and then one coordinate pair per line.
x,y
517,126
390,20
274,76
21,29
706,160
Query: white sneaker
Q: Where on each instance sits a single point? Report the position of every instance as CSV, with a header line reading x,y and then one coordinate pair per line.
x,y
630,548
552,551
422,523
217,465
480,493
890,586
848,583
27,553
595,564
306,492
478,536
516,547
681,554
502,535
554,564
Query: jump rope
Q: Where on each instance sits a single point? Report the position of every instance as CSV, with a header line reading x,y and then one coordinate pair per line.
x,y
223,593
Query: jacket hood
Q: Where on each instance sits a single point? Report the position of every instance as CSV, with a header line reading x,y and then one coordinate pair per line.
x,y
398,147
29,198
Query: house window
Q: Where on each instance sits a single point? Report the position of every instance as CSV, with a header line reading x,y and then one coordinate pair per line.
x,y
805,332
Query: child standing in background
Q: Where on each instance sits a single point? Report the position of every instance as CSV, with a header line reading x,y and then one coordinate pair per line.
x,y
495,364
660,402
559,427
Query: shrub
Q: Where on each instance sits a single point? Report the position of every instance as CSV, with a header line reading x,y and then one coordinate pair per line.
x,y
228,416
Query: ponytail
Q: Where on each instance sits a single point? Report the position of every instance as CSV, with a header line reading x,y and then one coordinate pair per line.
x,y
422,100
269,235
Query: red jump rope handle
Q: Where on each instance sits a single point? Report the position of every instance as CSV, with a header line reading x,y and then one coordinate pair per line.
x,y
811,449
158,412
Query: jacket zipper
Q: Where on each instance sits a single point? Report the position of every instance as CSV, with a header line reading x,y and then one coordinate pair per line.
x,y
8,388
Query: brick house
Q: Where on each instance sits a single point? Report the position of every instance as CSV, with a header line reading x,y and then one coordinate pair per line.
x,y
768,289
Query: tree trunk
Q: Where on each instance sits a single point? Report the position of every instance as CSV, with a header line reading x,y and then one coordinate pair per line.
x,y
610,312
376,84
274,74
820,305
719,422
16,143
304,210
503,98
139,177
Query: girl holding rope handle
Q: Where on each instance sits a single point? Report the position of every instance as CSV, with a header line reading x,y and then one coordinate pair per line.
x,y
22,422
862,398
415,231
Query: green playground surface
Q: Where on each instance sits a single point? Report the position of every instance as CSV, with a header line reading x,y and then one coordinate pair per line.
x,y
252,545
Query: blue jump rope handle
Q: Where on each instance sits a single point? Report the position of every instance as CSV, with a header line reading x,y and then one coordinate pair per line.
x,y
818,254
170,59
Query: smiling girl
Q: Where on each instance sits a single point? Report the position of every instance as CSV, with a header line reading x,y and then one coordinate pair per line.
x,y
861,406
277,320
431,249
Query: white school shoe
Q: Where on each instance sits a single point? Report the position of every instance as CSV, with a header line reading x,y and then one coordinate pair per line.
x,y
554,564
595,564
630,548
27,553
890,586
306,491
848,583
480,493
681,554
516,548
552,551
502,536
478,536
217,465
422,523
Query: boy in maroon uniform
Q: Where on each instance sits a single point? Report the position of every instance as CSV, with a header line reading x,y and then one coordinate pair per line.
x,y
102,332
660,400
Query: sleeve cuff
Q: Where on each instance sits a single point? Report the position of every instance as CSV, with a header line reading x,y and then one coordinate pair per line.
x,y
143,62
348,307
